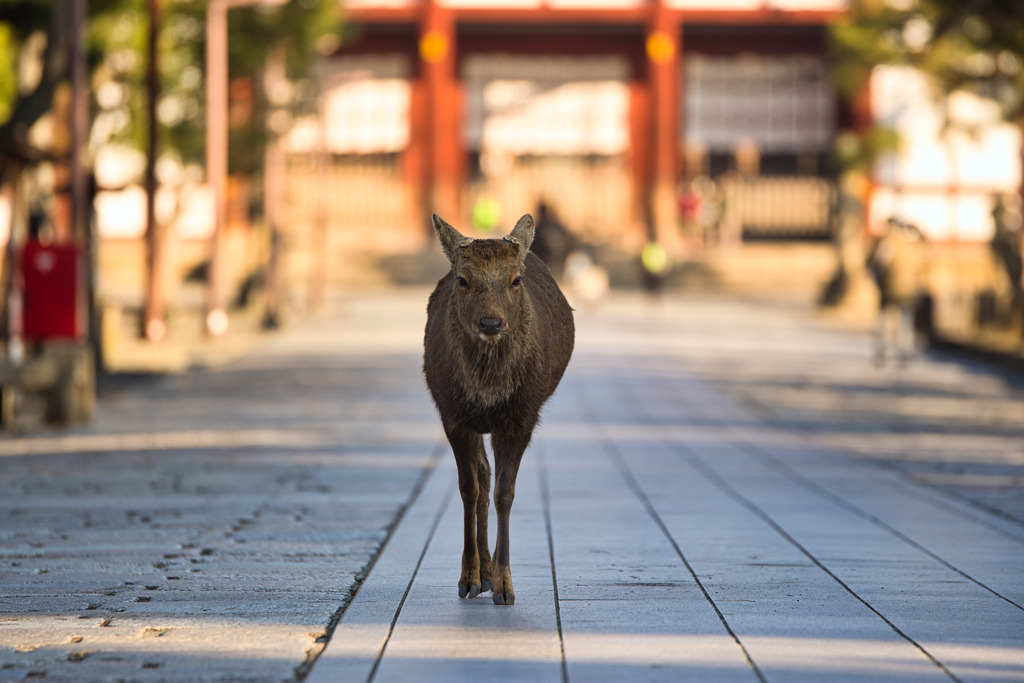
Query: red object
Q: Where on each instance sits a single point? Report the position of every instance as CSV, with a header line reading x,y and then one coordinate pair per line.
x,y
53,286
689,204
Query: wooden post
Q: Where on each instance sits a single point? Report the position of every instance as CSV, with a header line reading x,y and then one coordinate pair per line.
x,y
437,60
319,238
640,146
154,327
663,49
79,123
217,156
273,194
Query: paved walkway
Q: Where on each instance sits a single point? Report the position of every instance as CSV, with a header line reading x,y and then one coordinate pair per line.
x,y
209,526
662,532
719,491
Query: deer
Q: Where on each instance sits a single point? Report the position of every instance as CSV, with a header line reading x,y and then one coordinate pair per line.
x,y
498,338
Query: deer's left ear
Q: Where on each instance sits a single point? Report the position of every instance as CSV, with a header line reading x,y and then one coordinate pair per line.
x,y
523,233
450,238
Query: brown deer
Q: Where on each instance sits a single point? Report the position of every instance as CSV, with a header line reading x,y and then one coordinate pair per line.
x,y
499,336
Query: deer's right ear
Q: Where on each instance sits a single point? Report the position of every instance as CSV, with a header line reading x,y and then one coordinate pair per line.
x,y
450,238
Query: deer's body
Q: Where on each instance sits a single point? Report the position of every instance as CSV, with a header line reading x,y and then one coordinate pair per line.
x,y
498,339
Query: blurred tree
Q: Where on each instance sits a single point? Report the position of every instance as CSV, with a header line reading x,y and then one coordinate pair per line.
x,y
976,46
119,38
116,53
27,93
35,53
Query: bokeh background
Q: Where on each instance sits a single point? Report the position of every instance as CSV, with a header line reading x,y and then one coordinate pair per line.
x,y
173,171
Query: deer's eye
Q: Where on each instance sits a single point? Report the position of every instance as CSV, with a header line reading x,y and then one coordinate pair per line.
x,y
462,282
518,281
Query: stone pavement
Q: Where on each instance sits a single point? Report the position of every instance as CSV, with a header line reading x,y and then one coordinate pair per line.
x,y
662,531
720,490
208,526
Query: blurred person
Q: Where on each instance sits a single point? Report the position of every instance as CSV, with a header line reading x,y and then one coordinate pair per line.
x,y
553,241
586,281
690,204
709,215
898,266
699,210
846,218
1006,244
730,224
654,268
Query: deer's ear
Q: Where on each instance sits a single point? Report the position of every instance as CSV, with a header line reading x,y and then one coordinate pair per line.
x,y
523,233
450,238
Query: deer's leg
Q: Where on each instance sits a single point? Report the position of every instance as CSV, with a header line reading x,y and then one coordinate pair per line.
x,y
508,452
483,502
468,448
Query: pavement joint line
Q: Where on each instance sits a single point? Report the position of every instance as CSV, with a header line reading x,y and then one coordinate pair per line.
x,y
324,668
434,467
715,478
835,499
335,475
446,501
964,508
763,453
941,494
720,482
545,497
613,454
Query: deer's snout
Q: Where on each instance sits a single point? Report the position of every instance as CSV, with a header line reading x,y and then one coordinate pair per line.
x,y
491,326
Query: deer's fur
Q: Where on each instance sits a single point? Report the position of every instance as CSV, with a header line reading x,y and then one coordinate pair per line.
x,y
498,339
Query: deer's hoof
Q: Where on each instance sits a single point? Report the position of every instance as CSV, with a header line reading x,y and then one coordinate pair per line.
x,y
504,598
470,591
486,587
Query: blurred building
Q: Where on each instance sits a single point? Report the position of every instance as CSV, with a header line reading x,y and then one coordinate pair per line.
x,y
601,108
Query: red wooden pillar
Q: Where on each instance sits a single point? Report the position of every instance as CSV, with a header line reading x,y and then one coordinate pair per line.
x,y
640,157
442,145
663,42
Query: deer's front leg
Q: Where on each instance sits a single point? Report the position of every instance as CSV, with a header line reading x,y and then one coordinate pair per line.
x,y
468,448
508,452
483,502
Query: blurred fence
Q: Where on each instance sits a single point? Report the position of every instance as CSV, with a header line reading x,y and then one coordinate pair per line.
x,y
366,201
783,206
360,191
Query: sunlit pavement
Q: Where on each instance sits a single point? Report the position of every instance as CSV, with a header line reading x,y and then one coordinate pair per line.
x,y
719,490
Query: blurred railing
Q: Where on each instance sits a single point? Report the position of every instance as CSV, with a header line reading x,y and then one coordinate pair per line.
x,y
359,190
781,206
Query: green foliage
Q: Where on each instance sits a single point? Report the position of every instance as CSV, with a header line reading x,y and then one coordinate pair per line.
x,y
252,32
8,71
976,46
117,40
858,150
18,20
116,45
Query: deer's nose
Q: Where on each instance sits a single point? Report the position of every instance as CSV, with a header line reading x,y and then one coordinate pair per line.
x,y
490,326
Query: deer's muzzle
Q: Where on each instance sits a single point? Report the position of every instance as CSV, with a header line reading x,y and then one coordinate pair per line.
x,y
490,327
